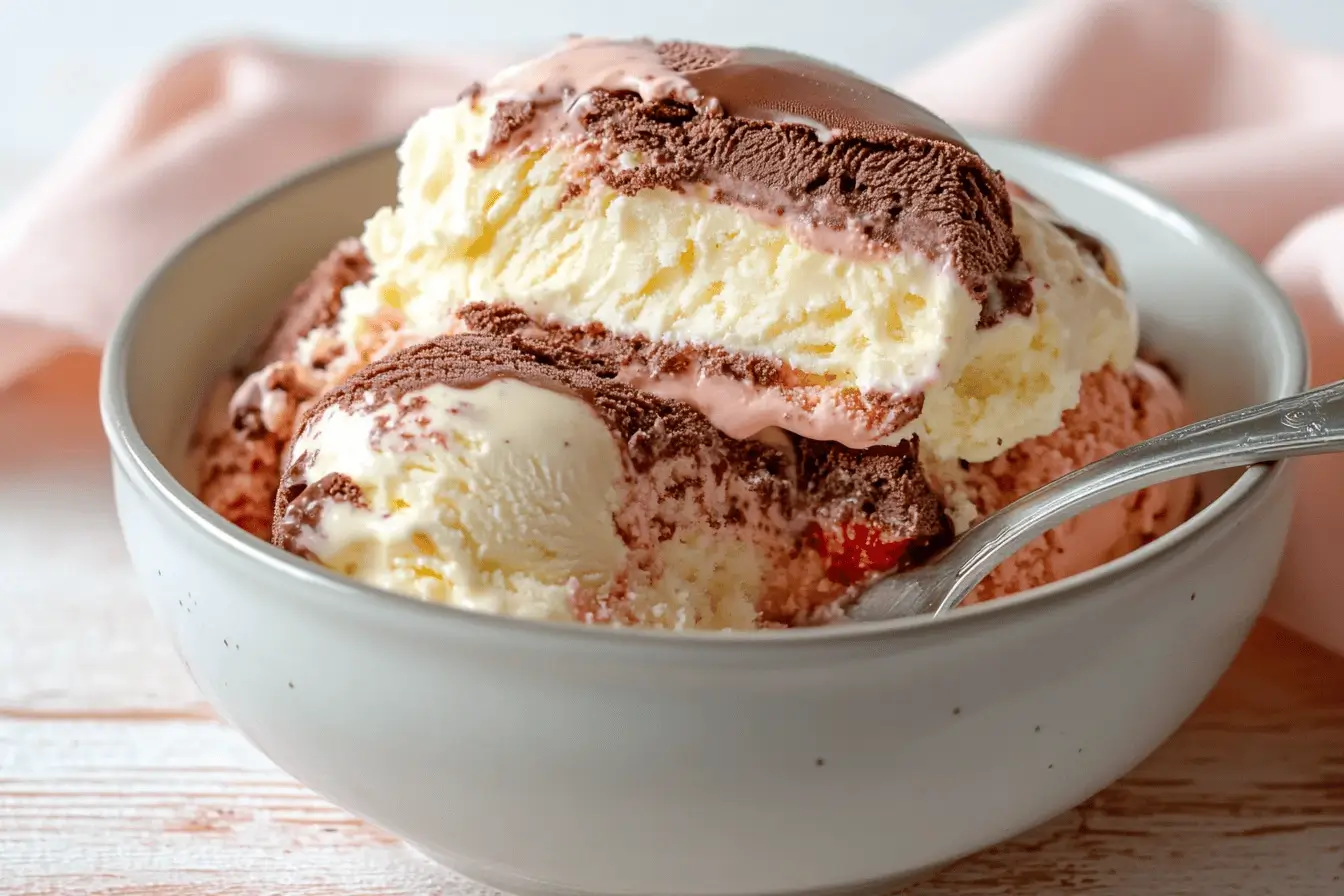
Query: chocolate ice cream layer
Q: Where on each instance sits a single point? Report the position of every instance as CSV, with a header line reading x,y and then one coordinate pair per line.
x,y
764,391
865,170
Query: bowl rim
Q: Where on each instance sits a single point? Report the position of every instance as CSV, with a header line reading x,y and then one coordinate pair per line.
x,y
151,477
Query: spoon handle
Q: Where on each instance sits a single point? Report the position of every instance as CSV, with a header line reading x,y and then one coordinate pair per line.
x,y
1309,423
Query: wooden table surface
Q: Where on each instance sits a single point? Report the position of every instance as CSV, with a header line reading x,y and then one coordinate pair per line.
x,y
115,777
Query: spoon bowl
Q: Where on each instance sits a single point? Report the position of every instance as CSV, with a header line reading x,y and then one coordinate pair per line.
x,y
1309,423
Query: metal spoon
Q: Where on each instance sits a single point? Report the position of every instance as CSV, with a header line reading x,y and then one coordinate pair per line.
x,y
1309,423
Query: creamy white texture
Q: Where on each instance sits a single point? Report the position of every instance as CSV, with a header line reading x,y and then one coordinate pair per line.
x,y
500,498
1022,374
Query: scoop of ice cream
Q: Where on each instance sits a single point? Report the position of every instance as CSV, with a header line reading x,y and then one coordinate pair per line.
x,y
510,477
389,497
825,256
1115,410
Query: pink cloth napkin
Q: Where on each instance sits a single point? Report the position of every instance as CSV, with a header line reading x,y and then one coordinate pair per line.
x,y
172,152
1205,106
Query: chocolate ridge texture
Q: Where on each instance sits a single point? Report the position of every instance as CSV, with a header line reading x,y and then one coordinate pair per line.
x,y
885,412
777,132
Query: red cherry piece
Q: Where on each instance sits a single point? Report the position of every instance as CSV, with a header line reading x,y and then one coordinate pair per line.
x,y
855,551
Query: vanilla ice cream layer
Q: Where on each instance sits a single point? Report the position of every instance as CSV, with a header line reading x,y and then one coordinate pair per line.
x,y
661,264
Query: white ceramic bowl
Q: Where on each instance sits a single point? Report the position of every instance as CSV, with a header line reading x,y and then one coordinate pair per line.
x,y
562,759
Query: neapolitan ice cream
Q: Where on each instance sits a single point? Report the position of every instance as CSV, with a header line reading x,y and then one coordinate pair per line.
x,y
690,337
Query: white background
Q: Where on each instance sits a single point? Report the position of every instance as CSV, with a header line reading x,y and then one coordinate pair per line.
x,y
60,58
